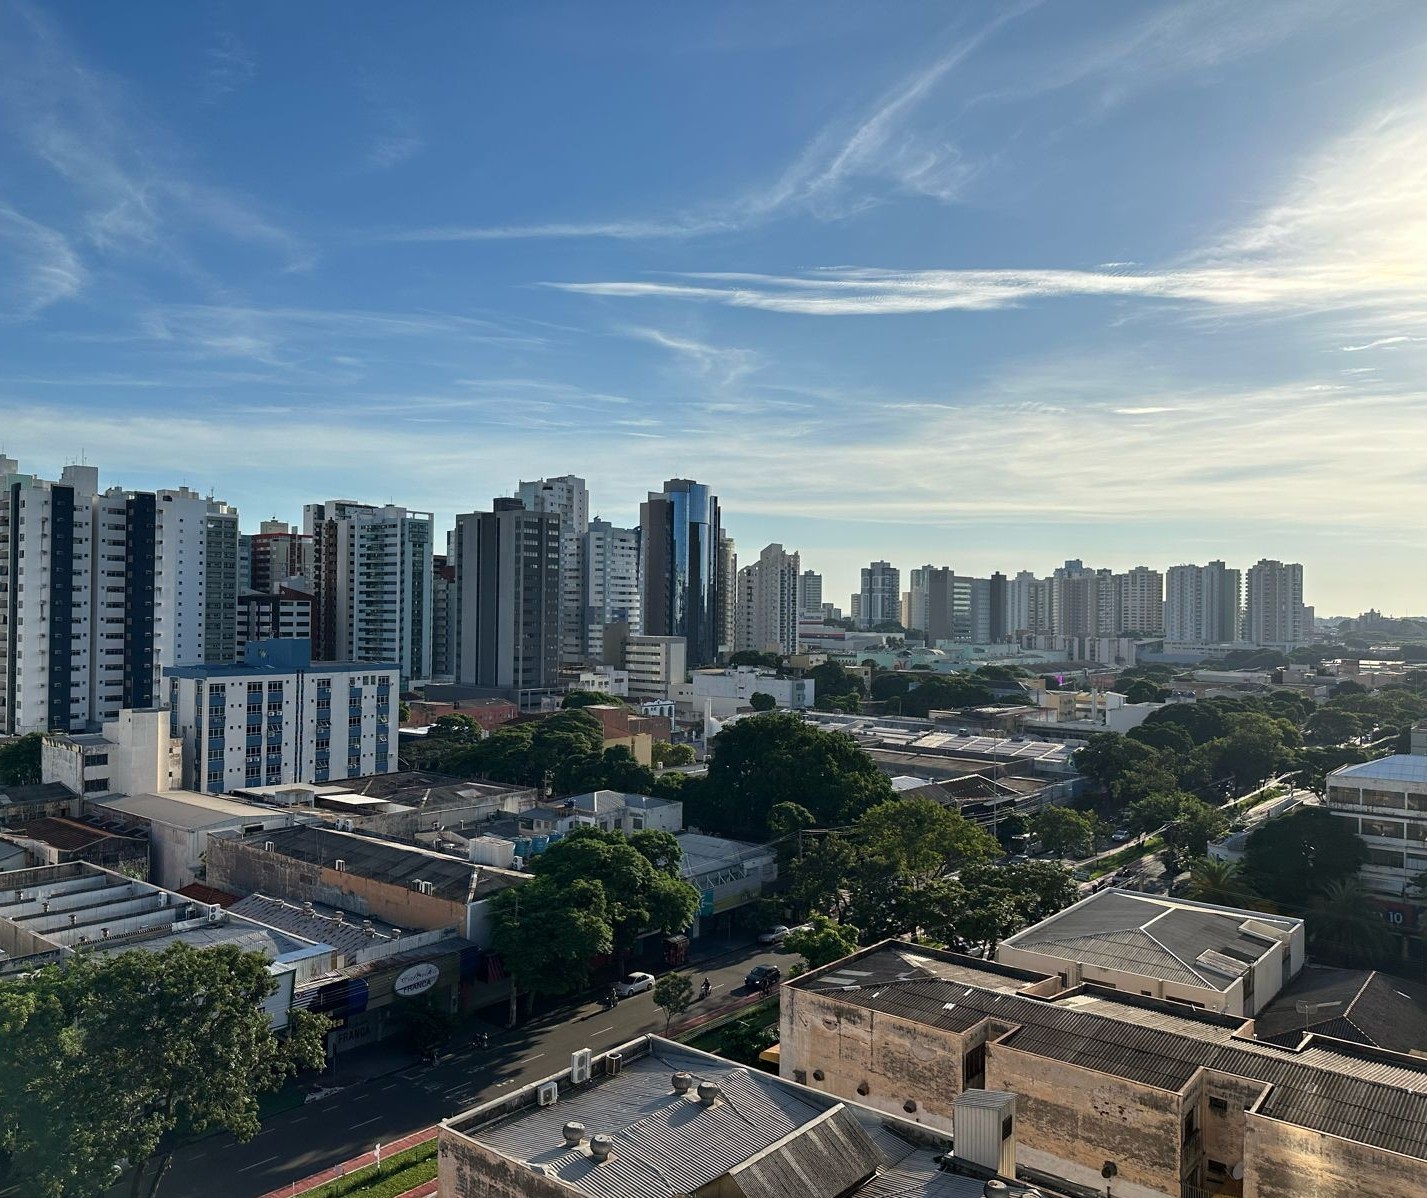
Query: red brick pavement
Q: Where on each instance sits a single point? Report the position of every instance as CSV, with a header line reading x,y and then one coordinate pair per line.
x,y
361,1162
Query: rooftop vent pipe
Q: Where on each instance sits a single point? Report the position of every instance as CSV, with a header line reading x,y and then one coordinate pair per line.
x,y
708,1093
573,1133
683,1082
601,1147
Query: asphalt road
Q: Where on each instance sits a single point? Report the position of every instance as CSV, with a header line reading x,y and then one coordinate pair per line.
x,y
297,1143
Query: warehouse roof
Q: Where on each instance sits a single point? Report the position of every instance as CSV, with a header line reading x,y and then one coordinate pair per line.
x,y
185,809
1174,940
1399,767
1358,1093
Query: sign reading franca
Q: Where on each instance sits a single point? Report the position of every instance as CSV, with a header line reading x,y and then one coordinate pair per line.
x,y
416,979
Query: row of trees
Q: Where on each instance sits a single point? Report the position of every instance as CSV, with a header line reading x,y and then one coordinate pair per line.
x,y
109,1060
20,760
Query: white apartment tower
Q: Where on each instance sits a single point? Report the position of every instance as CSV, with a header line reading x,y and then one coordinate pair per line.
x,y
372,575
1027,603
810,592
1139,595
611,584
567,498
880,599
1273,604
99,592
767,605
1203,604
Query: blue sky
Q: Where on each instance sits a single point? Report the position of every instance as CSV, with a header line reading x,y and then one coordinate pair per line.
x,y
979,285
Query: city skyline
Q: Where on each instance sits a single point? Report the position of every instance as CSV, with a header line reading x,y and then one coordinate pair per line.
x,y
1137,286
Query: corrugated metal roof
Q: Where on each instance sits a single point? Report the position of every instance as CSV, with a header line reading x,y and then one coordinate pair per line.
x,y
1400,767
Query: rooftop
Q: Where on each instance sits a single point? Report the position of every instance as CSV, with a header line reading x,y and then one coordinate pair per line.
x,y
317,922
761,1137
1355,1092
600,801
64,834
1400,767
383,861
184,809
1361,1006
1174,940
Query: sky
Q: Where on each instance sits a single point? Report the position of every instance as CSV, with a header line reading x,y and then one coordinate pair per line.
x,y
980,285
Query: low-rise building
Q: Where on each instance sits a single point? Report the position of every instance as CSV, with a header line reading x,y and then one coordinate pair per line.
x,y
722,693
180,823
652,1119
406,886
1160,1098
58,840
615,811
132,754
655,664
1385,802
280,717
1220,959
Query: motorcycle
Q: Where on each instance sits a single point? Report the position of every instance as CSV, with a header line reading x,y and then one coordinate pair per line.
x,y
611,1000
705,989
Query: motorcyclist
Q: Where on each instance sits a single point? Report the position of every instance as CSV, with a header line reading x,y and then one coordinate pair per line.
x,y
706,987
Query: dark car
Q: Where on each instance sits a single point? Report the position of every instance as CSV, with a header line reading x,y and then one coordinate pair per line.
x,y
763,977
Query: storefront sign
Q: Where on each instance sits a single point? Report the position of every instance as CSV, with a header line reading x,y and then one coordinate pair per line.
x,y
416,979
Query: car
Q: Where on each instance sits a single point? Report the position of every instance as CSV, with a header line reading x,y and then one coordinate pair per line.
x,y
634,983
1018,859
774,935
1121,835
763,976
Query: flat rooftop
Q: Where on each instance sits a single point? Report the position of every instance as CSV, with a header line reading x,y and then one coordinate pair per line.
x,y
1195,944
188,809
1399,767
761,1137
1355,1092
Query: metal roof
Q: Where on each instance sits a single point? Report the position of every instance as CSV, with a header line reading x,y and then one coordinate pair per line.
x,y
187,809
1400,767
1366,1095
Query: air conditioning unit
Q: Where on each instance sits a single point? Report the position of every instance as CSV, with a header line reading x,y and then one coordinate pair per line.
x,y
344,825
580,1067
215,913
547,1094
340,865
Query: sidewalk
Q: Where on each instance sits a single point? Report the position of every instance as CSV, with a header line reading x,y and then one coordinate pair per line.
x,y
359,1162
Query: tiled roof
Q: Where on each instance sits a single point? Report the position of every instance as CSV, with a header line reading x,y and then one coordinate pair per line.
x,y
63,834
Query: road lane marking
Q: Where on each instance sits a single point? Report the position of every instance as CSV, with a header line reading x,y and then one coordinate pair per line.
x,y
374,1119
536,1057
602,1030
255,1164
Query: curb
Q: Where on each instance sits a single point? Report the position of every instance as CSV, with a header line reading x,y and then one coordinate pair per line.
x,y
334,1172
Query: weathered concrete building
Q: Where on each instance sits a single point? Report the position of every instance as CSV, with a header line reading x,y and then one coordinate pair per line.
x,y
1162,1099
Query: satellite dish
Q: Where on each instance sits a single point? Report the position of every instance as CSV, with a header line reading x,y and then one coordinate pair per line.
x,y
1237,1172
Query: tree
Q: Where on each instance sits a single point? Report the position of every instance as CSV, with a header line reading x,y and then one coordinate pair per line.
x,y
762,701
661,849
562,746
919,840
504,756
1332,726
577,699
746,1039
456,729
1257,747
785,818
1346,927
948,691
403,712
1141,690
20,760
1298,856
1194,825
822,941
830,678
1011,829
639,897
663,754
672,994
819,877
776,758
117,1058
546,934
1215,881
1125,769
1065,832
849,703
751,657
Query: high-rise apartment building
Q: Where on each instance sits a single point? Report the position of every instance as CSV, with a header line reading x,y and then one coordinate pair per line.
x,y
684,565
1139,603
1273,604
880,596
1027,604
996,605
1203,604
767,603
508,597
278,553
725,602
372,580
567,498
611,591
443,617
810,592
100,591
283,615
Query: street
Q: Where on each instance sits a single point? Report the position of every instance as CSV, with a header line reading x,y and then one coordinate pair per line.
x,y
297,1143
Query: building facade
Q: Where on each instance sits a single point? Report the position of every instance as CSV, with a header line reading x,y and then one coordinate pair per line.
x,y
568,499
1203,604
1385,802
283,614
1139,601
611,584
372,581
1273,605
767,603
508,598
684,566
655,665
278,553
443,617
279,717
880,599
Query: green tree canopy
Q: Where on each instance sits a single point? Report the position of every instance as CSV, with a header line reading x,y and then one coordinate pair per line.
x,y
672,994
764,760
547,934
821,941
945,691
919,840
577,699
1332,726
663,754
830,678
455,728
762,701
20,760
113,1059
1065,832
751,657
1295,858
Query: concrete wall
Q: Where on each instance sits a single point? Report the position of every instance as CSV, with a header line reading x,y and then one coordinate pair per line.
x,y
1230,1002
1282,1160
1073,1120
469,1170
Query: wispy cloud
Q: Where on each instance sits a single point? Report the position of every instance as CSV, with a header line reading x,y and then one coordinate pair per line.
x,y
132,185
229,66
392,149
38,266
1380,343
724,364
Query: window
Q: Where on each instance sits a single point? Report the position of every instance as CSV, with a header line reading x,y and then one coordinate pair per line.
x,y
1386,857
1218,1104
1389,828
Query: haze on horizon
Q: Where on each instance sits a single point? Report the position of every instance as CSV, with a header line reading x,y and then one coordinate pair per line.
x,y
1132,283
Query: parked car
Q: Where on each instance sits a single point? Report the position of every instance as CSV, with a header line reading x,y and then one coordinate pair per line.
x,y
1121,835
774,935
1017,859
763,976
634,983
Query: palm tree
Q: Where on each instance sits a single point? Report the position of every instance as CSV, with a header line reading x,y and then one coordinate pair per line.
x,y
1346,927
1215,881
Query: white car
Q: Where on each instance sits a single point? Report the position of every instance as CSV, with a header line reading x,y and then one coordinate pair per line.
x,y
634,983
774,935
